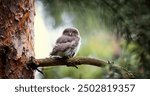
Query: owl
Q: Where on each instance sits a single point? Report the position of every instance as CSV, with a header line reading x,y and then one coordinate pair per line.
x,y
67,45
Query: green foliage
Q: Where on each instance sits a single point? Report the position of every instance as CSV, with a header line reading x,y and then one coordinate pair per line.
x,y
126,18
83,72
96,46
134,26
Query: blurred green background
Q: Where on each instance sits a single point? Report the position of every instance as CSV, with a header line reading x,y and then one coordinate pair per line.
x,y
116,30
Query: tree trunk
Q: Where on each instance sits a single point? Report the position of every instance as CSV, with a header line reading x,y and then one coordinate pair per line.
x,y
16,38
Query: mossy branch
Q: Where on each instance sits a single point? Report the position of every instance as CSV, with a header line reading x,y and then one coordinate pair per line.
x,y
46,62
71,62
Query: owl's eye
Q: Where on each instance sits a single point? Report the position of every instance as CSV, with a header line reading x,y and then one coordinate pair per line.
x,y
65,32
75,32
70,32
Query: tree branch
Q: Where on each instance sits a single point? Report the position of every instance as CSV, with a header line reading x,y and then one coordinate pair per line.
x,y
71,62
35,63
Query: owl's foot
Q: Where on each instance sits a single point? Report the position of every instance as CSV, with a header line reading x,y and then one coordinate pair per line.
x,y
59,57
69,65
64,59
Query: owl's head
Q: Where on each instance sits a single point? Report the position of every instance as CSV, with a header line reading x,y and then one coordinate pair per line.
x,y
71,32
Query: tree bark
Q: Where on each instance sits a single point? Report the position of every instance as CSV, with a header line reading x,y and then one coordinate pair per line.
x,y
16,38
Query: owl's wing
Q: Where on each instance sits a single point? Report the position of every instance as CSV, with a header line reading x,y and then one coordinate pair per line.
x,y
64,43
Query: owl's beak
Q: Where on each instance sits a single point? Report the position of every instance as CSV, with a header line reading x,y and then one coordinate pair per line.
x,y
70,34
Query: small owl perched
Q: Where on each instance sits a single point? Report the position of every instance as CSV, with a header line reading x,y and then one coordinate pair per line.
x,y
67,45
